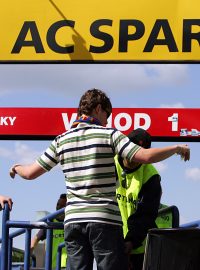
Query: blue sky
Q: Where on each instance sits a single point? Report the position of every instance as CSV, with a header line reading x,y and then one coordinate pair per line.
x,y
139,86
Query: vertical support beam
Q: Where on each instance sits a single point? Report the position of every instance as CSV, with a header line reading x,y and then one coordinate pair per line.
x,y
5,236
58,257
10,245
48,257
27,249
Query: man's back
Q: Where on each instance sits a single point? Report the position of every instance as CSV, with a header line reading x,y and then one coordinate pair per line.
x,y
86,156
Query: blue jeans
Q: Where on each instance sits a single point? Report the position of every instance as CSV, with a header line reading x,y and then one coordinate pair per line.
x,y
89,240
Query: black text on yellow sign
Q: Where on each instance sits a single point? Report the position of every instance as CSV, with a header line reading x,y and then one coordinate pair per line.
x,y
123,41
92,31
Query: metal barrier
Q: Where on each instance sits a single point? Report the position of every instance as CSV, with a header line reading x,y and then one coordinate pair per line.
x,y
173,210
173,249
26,227
46,223
175,218
193,224
59,254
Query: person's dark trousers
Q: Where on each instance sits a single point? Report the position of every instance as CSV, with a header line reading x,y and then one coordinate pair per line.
x,y
137,261
68,266
89,240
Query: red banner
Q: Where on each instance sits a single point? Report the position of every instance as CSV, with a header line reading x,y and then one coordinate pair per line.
x,y
181,124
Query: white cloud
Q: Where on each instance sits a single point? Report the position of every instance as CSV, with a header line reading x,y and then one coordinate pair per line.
x,y
5,153
21,153
63,78
24,153
193,174
175,74
161,166
175,105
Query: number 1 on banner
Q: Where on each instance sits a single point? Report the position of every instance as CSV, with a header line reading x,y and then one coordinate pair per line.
x,y
174,120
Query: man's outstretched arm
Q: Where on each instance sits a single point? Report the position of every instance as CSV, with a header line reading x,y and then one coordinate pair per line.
x,y
28,172
153,155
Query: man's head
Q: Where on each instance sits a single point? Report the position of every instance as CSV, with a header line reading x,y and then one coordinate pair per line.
x,y
61,201
140,137
60,204
91,99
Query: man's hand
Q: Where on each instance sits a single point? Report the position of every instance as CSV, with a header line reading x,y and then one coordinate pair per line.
x,y
128,247
184,151
4,199
12,171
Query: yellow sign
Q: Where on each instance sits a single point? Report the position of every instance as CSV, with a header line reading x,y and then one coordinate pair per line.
x,y
100,31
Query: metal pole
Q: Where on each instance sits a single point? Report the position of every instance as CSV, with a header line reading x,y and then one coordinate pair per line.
x,y
27,249
58,257
10,245
5,235
48,257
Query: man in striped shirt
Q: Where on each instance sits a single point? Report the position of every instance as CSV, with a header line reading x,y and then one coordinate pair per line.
x,y
93,225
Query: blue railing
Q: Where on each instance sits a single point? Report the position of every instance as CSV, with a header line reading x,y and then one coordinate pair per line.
x,y
193,224
44,223
26,228
59,254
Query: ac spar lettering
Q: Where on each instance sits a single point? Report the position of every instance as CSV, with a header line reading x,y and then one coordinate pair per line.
x,y
125,27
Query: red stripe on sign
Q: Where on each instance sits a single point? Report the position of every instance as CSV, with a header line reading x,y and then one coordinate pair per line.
x,y
159,122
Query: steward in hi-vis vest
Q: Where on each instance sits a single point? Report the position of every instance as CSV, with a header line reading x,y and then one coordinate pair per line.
x,y
138,194
58,236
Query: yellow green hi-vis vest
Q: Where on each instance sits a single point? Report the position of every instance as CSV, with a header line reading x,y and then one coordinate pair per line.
x,y
128,197
58,238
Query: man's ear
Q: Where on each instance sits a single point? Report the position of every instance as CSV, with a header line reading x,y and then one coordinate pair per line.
x,y
98,108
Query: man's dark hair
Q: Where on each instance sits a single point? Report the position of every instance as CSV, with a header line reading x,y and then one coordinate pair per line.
x,y
59,204
63,196
91,99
